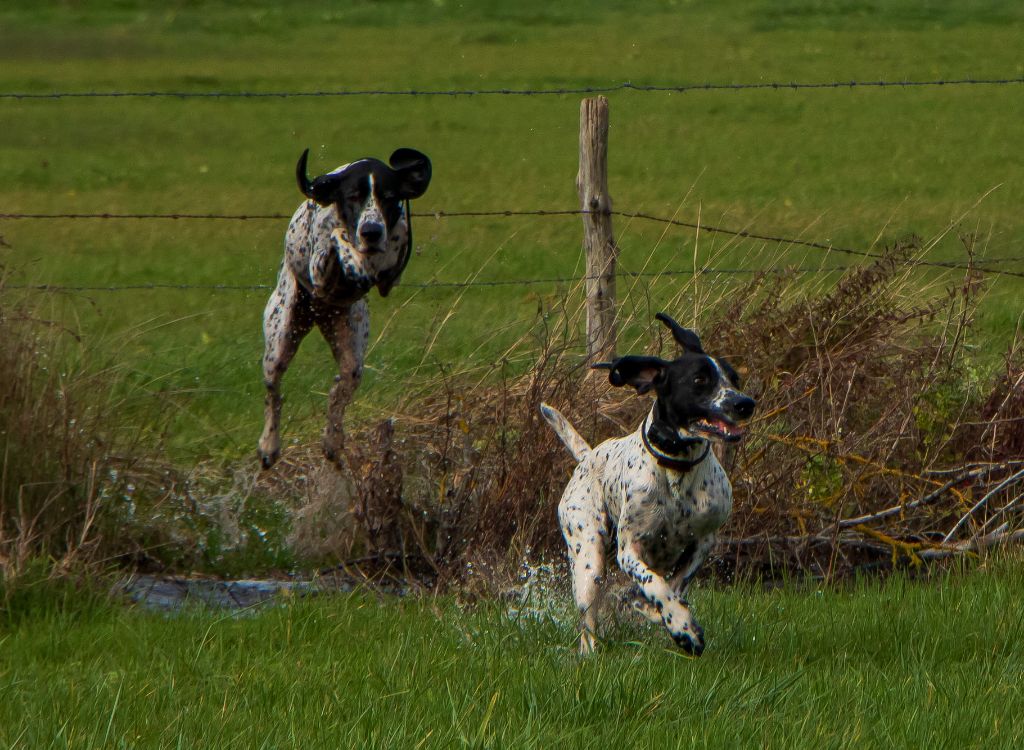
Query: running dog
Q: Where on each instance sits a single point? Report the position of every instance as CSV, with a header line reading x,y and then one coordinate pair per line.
x,y
658,495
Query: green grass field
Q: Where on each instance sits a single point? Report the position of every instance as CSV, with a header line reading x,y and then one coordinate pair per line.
x,y
856,167
899,664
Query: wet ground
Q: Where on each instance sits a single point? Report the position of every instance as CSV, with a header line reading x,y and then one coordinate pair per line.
x,y
172,593
540,591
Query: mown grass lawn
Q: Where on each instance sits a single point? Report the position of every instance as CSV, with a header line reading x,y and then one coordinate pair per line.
x,y
854,167
898,664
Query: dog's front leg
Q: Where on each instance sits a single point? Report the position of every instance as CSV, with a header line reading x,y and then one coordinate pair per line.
x,y
662,598
679,582
324,269
687,568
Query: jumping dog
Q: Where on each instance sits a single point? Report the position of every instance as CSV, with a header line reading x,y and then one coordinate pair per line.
x,y
352,233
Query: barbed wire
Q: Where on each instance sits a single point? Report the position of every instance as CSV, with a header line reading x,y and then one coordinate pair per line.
x,y
979,265
138,287
439,214
172,216
827,246
434,284
555,91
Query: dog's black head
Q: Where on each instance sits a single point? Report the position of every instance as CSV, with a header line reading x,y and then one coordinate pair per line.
x,y
369,194
698,395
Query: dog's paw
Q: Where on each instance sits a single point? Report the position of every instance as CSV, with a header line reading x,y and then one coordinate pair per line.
x,y
334,453
333,443
691,639
268,451
588,643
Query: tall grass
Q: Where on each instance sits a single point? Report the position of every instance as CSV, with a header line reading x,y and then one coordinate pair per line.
x,y
869,403
54,460
77,446
84,482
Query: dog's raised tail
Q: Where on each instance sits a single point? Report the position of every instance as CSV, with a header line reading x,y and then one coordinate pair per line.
x,y
577,446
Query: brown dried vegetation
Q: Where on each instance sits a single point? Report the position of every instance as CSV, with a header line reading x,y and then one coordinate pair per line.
x,y
61,455
874,436
878,441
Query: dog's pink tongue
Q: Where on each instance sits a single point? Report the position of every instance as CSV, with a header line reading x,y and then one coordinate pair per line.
x,y
728,429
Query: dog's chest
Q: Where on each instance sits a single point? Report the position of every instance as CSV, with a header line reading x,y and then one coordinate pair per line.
x,y
692,506
323,258
700,501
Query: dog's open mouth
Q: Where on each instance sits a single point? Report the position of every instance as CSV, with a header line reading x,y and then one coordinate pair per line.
x,y
718,428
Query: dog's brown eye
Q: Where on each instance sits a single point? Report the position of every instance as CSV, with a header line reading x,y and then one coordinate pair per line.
x,y
700,380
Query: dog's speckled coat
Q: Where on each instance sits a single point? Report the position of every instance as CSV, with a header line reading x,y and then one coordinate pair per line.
x,y
661,521
350,236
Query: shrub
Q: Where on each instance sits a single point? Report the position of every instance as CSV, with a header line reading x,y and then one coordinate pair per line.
x,y
868,404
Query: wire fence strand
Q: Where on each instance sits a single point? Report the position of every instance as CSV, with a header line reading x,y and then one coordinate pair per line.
x,y
434,284
982,265
554,91
141,216
819,245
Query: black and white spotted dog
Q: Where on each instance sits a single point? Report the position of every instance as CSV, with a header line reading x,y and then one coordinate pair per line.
x,y
658,495
352,234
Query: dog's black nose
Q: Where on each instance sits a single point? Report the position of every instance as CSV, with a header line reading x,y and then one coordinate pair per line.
x,y
744,407
370,233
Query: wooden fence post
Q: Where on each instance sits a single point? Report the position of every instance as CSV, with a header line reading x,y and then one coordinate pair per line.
x,y
598,241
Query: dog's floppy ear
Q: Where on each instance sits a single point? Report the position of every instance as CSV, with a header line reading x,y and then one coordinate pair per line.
x,y
686,338
643,373
413,170
322,189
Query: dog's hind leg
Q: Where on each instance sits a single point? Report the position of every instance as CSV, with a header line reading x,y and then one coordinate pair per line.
x,y
584,534
347,330
286,320
587,589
